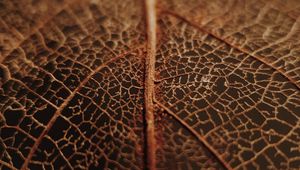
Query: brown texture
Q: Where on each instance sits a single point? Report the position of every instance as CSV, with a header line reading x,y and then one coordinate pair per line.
x,y
131,84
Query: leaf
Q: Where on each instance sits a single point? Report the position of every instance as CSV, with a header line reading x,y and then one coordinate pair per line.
x,y
172,84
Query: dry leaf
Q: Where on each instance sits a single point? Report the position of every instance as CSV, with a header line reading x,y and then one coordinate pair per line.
x,y
131,84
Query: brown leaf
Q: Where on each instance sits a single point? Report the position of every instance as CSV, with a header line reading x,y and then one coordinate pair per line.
x,y
172,84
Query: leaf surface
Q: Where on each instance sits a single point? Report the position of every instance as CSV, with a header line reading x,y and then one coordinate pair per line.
x,y
176,84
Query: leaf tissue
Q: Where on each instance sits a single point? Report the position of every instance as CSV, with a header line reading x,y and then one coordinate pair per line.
x,y
150,84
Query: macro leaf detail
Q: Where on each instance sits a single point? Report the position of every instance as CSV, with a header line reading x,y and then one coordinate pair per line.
x,y
171,84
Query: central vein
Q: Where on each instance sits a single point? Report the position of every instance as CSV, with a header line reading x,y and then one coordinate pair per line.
x,y
149,82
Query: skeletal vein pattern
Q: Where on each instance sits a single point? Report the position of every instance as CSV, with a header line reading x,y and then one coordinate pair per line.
x,y
72,93
247,112
224,89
